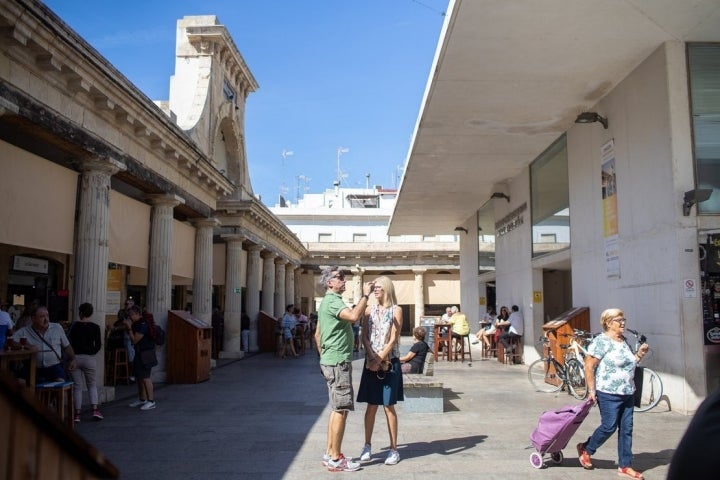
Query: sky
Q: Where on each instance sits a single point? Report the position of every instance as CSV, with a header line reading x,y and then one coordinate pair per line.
x,y
332,74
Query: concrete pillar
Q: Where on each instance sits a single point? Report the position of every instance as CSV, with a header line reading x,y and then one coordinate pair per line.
x,y
419,294
159,283
91,246
289,284
252,307
279,287
202,281
268,283
233,296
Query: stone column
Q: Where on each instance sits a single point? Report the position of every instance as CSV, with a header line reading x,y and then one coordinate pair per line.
x,y
268,283
159,283
357,280
289,284
233,296
91,247
298,297
419,294
279,287
252,300
202,282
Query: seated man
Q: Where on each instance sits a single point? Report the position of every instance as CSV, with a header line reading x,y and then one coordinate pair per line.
x,y
51,342
414,361
515,327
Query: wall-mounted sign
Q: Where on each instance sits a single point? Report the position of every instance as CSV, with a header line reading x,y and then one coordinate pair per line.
x,y
30,264
511,221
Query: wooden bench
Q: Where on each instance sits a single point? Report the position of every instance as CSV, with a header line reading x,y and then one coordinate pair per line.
x,y
423,393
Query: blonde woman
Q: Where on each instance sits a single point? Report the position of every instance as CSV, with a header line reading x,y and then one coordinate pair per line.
x,y
381,382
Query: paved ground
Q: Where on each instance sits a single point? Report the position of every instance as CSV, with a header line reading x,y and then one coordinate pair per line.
x,y
266,418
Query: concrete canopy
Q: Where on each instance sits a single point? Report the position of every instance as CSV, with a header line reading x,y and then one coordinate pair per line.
x,y
509,77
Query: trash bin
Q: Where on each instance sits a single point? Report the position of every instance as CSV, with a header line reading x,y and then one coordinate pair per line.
x,y
189,346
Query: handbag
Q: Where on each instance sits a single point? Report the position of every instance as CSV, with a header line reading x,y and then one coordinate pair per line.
x,y
385,366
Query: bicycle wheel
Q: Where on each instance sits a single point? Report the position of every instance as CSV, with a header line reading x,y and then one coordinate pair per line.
x,y
576,378
543,377
651,390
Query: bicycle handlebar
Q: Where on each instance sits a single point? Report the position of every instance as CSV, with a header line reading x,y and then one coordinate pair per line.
x,y
641,338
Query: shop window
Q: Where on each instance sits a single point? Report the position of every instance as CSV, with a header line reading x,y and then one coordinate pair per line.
x,y
704,73
550,199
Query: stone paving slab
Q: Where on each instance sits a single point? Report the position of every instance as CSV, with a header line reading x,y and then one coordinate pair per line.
x,y
263,417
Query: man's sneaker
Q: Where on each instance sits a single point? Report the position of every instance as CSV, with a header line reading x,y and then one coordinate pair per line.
x,y
137,403
97,415
366,453
77,418
393,458
342,464
148,405
325,459
584,457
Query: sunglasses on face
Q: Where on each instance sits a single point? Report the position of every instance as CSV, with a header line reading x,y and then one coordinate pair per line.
x,y
619,320
339,276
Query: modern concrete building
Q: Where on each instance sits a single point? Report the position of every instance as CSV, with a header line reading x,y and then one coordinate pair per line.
x,y
595,118
347,227
106,194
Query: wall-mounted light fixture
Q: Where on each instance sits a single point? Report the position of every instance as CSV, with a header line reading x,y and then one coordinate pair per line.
x,y
461,229
500,195
592,117
692,197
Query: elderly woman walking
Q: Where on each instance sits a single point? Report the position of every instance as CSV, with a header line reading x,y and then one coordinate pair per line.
x,y
610,370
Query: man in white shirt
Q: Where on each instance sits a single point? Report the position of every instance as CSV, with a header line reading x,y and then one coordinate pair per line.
x,y
516,325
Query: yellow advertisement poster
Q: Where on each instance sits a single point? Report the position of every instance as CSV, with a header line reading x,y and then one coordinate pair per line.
x,y
114,279
610,210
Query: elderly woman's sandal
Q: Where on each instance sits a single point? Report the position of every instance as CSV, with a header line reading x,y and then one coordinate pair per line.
x,y
628,472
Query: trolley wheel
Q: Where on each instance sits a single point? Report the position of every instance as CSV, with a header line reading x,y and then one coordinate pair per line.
x,y
557,457
536,460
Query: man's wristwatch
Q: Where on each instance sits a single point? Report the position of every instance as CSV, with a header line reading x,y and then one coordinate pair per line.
x,y
366,297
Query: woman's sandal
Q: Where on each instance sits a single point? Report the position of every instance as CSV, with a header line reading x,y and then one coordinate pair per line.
x,y
628,472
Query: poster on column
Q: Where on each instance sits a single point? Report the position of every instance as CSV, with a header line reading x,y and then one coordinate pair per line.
x,y
609,209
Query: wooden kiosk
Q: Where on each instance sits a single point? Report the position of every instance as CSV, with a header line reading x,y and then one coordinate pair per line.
x,y
189,344
557,329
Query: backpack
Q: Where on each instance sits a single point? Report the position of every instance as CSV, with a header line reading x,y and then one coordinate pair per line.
x,y
157,334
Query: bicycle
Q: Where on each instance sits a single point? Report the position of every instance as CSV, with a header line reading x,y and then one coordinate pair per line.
x,y
548,375
650,386
578,343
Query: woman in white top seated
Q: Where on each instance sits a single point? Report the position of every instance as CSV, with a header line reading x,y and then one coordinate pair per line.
x,y
488,328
